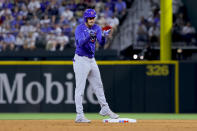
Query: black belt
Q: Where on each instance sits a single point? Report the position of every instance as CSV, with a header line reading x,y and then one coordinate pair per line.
x,y
85,56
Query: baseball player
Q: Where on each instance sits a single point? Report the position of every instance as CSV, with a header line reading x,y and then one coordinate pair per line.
x,y
85,66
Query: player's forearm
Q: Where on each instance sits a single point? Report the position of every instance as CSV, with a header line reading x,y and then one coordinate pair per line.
x,y
102,41
82,41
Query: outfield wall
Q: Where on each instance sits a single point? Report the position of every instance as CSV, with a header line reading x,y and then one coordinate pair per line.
x,y
48,86
188,86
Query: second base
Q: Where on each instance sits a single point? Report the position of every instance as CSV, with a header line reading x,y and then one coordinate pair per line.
x,y
120,120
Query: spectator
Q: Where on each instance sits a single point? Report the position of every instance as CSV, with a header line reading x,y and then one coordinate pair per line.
x,y
120,9
67,14
114,22
1,42
17,21
176,5
108,12
62,7
62,40
20,41
30,19
110,4
15,29
188,33
5,12
51,42
44,6
177,28
72,5
5,29
73,23
67,30
179,20
80,20
9,42
27,28
23,12
45,20
46,28
142,32
41,40
1,3
15,13
102,20
8,19
153,34
150,18
57,29
30,41
53,11
157,19
8,4
34,6
80,7
63,21
154,5
90,4
35,20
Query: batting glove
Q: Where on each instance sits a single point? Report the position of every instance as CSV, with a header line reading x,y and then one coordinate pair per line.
x,y
105,33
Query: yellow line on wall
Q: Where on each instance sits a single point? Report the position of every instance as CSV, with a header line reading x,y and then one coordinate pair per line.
x,y
133,62
176,87
36,62
70,62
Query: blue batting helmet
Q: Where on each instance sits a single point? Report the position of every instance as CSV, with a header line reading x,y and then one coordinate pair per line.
x,y
89,13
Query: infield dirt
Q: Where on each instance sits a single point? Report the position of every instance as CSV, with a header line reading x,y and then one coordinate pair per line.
x,y
97,125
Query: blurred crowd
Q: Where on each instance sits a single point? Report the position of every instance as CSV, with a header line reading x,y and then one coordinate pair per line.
x,y
50,24
148,31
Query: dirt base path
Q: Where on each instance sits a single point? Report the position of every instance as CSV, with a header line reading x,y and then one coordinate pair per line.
x,y
97,125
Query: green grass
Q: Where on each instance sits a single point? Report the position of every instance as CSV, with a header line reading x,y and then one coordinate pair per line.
x,y
94,116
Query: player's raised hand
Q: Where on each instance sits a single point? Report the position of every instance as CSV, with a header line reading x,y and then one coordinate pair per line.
x,y
106,31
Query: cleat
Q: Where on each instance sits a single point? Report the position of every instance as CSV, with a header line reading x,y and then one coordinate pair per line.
x,y
107,112
82,119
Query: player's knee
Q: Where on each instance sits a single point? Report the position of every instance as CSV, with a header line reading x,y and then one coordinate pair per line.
x,y
100,85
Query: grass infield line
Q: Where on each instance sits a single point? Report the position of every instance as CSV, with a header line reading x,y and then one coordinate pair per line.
x,y
95,116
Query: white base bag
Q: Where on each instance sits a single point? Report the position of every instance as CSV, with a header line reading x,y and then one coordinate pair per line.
x,y
120,120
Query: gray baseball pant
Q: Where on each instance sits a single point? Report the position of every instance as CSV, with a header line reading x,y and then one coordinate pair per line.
x,y
86,68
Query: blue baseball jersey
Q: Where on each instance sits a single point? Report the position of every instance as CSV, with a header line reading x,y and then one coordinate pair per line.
x,y
85,45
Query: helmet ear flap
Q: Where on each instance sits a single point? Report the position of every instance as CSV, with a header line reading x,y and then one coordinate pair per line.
x,y
85,19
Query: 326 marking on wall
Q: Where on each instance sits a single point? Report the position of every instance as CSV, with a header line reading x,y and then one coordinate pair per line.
x,y
157,70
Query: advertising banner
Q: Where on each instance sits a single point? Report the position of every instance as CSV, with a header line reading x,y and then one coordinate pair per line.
x,y
49,87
